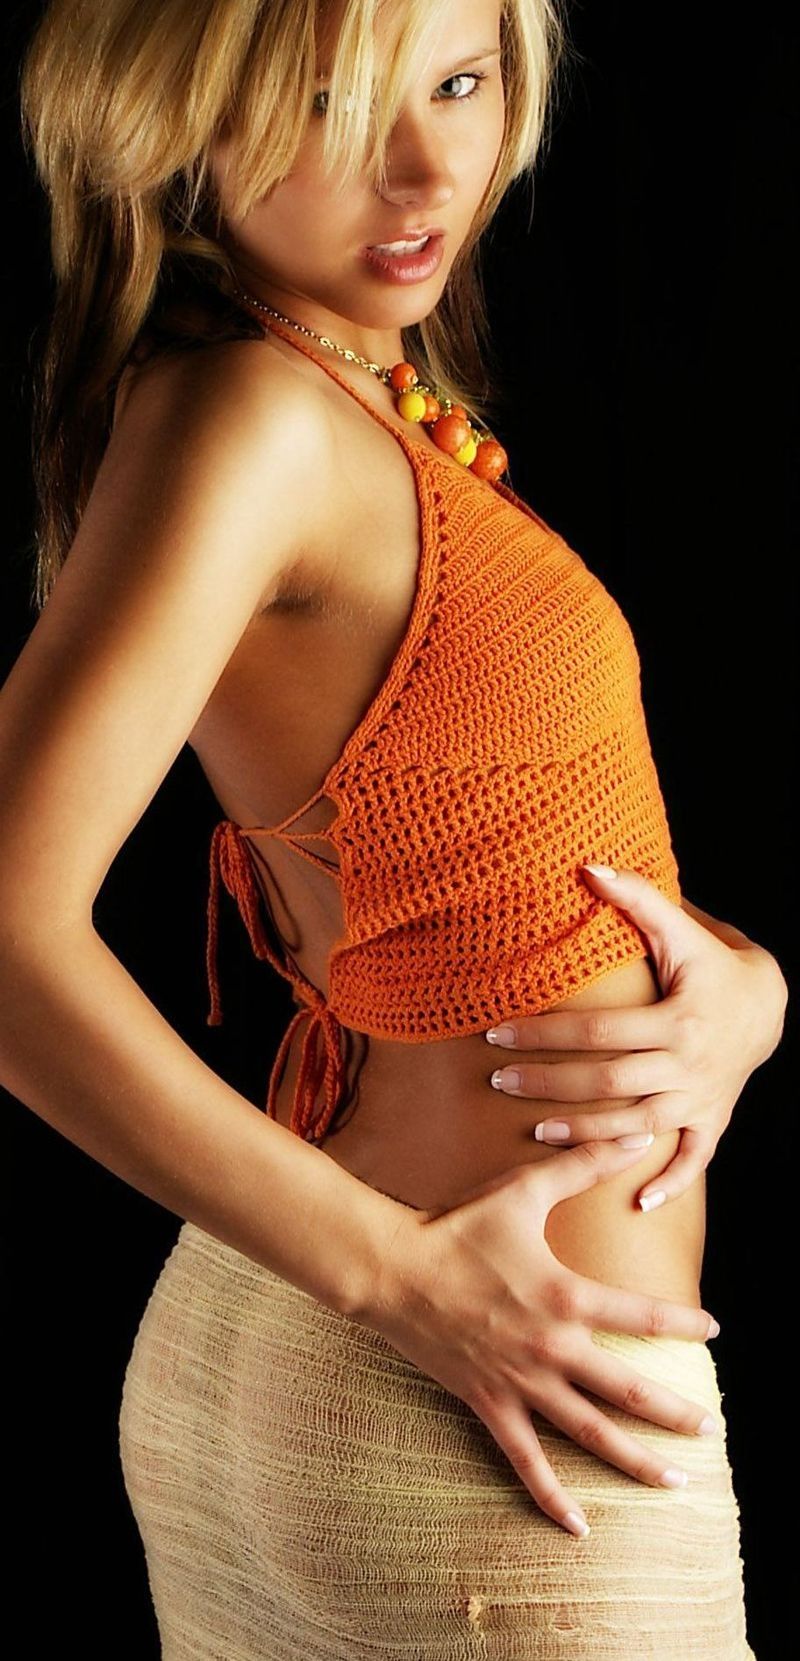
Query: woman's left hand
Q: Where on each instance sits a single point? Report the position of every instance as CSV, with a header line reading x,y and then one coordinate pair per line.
x,y
686,1057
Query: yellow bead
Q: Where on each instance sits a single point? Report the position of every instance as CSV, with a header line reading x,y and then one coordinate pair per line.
x,y
412,406
467,453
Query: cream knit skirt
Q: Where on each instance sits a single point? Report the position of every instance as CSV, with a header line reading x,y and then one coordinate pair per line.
x,y
305,1492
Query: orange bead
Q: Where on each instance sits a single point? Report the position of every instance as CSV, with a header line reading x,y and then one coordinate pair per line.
x,y
402,377
433,407
451,432
458,409
490,461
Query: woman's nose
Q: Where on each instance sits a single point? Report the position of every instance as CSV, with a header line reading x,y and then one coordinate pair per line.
x,y
416,169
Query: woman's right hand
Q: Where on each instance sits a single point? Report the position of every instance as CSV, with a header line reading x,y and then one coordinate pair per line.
x,y
482,1305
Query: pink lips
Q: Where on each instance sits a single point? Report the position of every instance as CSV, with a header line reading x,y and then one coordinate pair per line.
x,y
407,268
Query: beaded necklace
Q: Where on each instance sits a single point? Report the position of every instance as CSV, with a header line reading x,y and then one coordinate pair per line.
x,y
448,423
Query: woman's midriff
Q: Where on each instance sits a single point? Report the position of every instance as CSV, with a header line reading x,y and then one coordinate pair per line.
x,y
426,1126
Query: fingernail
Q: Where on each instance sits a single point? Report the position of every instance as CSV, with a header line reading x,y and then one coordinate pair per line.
x,y
501,1035
648,1202
601,870
707,1426
714,1329
551,1130
673,1479
642,1141
506,1078
576,1524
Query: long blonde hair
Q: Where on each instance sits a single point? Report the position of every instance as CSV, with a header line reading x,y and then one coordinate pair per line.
x,y
120,103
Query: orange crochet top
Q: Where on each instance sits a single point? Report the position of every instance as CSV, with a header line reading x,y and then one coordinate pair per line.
x,y
506,747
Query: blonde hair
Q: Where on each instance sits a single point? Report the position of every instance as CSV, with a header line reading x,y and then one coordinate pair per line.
x,y
121,101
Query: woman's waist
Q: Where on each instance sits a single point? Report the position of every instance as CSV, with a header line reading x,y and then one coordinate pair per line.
x,y
424,1125
432,1150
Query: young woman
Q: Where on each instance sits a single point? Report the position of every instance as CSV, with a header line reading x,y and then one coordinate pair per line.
x,y
446,1390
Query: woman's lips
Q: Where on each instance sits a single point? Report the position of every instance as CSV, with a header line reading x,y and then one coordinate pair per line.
x,y
407,268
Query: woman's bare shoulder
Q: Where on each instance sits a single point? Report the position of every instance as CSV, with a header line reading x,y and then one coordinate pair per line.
x,y
220,369
205,490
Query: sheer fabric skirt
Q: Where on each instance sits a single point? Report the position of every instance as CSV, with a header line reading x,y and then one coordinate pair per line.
x,y
304,1492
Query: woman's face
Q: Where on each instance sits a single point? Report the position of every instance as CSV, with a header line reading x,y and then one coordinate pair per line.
x,y
299,249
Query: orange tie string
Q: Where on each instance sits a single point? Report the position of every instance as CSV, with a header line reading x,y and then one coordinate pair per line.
x,y
229,860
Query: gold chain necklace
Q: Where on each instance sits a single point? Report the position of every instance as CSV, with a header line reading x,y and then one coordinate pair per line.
x,y
448,423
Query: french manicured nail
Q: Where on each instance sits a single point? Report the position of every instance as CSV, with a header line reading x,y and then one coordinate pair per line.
x,y
648,1202
506,1078
638,1141
714,1329
501,1035
673,1479
601,870
707,1426
577,1525
551,1130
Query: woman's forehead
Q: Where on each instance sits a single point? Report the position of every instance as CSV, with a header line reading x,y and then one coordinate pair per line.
x,y
446,27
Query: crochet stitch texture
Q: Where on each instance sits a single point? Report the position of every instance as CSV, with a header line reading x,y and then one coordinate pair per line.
x,y
506,747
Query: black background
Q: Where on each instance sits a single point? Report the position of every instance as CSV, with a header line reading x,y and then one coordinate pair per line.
x,y
644,317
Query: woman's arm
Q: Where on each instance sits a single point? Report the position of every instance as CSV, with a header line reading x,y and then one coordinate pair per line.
x,y
193,514
82,1045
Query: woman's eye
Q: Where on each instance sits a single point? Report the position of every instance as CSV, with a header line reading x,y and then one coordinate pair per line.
x,y
474,75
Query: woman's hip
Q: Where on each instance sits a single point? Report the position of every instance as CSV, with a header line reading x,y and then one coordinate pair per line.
x,y
303,1488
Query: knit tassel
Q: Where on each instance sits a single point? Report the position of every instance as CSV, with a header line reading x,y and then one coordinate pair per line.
x,y
315,1069
229,860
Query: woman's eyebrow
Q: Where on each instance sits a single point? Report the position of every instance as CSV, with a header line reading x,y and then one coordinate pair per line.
x,y
491,52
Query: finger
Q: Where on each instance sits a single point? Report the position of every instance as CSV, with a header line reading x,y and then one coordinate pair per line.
x,y
573,1170
618,1028
694,1154
513,1431
596,1370
579,1298
593,1430
591,1079
673,937
651,1115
